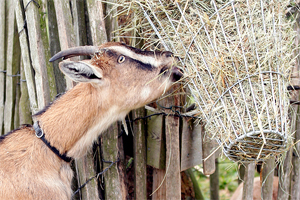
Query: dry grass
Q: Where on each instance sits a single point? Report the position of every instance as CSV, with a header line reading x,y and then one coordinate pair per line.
x,y
237,56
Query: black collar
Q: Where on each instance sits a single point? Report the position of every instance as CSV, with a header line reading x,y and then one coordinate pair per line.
x,y
40,134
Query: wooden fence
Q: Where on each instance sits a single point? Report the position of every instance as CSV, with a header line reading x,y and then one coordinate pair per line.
x,y
163,143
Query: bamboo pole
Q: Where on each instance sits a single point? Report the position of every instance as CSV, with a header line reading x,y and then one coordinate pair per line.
x,y
37,53
2,64
27,68
13,66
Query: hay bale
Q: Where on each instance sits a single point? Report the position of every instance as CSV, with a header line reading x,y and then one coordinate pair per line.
x,y
237,56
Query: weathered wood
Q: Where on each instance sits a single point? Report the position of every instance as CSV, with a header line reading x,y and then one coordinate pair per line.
x,y
173,178
139,153
84,171
45,41
284,174
295,175
37,53
2,64
214,182
24,105
267,178
16,121
191,144
13,66
55,46
66,31
208,147
114,177
156,144
27,68
159,184
248,181
97,25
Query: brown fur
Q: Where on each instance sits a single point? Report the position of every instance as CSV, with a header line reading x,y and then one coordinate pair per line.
x,y
30,170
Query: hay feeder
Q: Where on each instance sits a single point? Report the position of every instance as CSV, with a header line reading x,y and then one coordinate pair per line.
x,y
237,57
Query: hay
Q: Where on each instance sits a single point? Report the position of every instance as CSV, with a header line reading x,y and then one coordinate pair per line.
x,y
237,56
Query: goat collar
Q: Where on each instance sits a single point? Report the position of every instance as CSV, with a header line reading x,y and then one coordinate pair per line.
x,y
40,134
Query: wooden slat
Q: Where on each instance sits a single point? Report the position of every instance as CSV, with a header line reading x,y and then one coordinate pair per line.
x,y
25,111
295,175
55,46
156,144
114,177
97,25
248,181
159,184
13,66
27,68
67,35
139,153
37,53
214,182
208,147
173,178
267,178
2,64
191,144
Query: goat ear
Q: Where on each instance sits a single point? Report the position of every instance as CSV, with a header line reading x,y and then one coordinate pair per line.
x,y
80,71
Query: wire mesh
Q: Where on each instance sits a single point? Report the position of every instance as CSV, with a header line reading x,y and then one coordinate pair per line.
x,y
237,56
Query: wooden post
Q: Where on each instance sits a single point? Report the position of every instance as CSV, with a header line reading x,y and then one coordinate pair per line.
x,y
13,66
140,157
37,53
156,144
2,64
208,146
55,46
27,68
248,181
25,111
114,177
295,175
66,31
173,178
214,182
191,144
267,178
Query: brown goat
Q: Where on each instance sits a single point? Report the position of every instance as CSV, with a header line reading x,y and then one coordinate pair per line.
x,y
117,79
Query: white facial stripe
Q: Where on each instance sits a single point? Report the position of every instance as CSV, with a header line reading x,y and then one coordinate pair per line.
x,y
142,58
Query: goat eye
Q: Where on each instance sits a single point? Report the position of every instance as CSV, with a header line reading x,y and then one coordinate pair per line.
x,y
121,59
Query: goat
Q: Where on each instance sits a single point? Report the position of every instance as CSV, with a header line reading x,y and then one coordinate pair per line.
x,y
117,79
238,194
